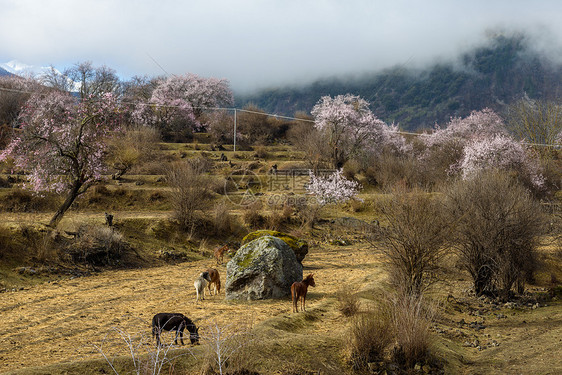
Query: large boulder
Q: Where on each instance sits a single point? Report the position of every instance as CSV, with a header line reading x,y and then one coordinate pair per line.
x,y
299,247
263,268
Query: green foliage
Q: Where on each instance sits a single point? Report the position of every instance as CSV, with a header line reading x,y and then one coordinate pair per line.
x,y
293,242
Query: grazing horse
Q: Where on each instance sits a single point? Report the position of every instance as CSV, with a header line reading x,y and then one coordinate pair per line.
x,y
174,322
215,280
200,283
299,289
219,253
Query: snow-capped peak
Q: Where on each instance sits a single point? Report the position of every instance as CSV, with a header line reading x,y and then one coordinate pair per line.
x,y
21,69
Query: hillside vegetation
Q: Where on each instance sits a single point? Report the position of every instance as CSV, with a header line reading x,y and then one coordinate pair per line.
x,y
73,295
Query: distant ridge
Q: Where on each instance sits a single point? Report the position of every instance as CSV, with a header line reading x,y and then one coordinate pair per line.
x,y
4,72
492,76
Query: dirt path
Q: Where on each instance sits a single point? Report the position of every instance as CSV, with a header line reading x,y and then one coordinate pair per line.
x,y
58,321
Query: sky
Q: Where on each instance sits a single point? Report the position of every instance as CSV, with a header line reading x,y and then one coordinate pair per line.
x,y
263,43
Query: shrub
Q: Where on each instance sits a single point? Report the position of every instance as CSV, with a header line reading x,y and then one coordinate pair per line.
x,y
498,225
136,145
228,349
308,213
348,302
411,321
223,219
190,186
20,200
414,240
253,217
370,335
261,152
97,245
397,329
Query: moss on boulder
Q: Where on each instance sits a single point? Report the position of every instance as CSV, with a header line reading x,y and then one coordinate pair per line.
x,y
263,268
299,247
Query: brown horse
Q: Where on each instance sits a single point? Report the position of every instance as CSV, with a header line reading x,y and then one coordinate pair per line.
x,y
299,289
215,280
219,253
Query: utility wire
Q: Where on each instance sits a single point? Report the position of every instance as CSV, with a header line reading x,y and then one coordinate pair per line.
x,y
268,115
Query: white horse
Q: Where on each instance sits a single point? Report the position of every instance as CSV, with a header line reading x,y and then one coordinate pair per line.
x,y
200,283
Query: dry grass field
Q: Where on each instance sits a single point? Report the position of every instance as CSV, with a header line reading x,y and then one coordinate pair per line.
x,y
52,322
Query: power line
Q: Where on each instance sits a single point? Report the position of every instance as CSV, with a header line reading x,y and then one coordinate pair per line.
x,y
234,109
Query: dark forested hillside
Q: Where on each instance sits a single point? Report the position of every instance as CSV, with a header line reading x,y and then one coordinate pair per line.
x,y
489,76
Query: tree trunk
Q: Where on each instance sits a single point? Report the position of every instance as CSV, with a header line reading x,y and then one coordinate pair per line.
x,y
72,194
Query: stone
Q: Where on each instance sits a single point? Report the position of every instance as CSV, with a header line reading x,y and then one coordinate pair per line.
x,y
299,247
263,268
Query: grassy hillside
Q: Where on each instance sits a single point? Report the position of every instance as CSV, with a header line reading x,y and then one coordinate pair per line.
x,y
70,297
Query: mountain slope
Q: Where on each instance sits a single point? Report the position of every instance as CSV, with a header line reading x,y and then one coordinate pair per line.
x,y
4,72
489,76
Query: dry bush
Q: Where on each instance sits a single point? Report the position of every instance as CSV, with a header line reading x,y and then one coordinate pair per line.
x,y
190,186
388,170
228,349
255,127
220,125
371,333
305,137
145,357
411,321
434,164
308,213
19,200
40,245
253,217
351,168
358,205
348,302
414,239
223,220
261,152
498,226
97,245
6,242
396,330
136,145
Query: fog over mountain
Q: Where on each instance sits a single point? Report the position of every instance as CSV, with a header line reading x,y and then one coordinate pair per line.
x,y
495,74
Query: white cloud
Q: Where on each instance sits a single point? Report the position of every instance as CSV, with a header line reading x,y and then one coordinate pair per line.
x,y
255,43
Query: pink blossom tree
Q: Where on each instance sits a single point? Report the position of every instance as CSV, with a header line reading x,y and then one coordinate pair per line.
x,y
481,142
479,124
501,153
334,188
351,127
61,143
178,102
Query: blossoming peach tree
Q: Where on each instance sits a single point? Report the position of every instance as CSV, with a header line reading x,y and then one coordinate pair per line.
x,y
61,143
483,143
334,188
177,103
350,128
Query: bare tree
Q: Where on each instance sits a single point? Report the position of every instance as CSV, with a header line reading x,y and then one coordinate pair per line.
x,y
306,138
93,81
191,191
57,80
535,121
